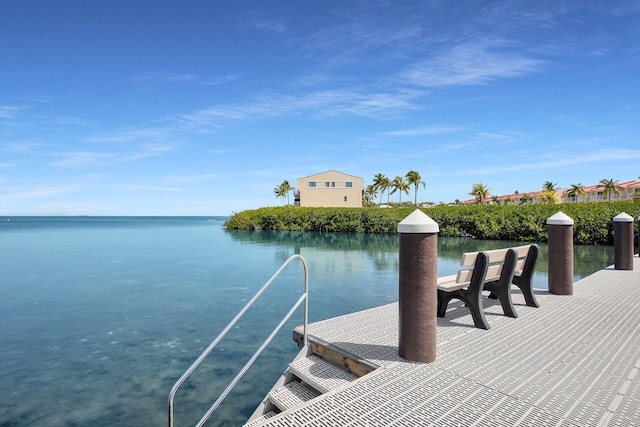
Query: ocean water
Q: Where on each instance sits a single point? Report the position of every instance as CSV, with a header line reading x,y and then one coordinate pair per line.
x,y
100,315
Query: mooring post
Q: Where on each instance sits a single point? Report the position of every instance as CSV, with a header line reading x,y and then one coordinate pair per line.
x,y
638,220
623,241
418,294
560,243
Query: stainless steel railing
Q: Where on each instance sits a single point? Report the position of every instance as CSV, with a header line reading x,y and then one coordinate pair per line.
x,y
303,298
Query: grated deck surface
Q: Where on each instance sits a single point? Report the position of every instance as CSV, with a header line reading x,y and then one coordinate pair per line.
x,y
574,361
291,395
320,374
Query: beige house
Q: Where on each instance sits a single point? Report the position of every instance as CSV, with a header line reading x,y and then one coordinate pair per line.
x,y
330,189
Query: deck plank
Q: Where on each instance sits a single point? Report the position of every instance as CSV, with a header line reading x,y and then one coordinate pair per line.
x,y
574,361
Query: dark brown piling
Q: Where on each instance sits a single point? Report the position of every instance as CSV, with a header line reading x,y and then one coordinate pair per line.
x,y
560,244
623,241
418,297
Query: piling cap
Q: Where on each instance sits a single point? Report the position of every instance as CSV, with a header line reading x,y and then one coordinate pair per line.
x,y
418,222
623,217
559,219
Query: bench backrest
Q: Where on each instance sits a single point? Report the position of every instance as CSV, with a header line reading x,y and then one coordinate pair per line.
x,y
496,255
495,259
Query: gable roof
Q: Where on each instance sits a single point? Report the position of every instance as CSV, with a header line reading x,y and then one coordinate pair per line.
x,y
331,171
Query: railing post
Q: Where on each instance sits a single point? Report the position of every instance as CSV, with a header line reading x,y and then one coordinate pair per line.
x,y
418,297
560,243
623,241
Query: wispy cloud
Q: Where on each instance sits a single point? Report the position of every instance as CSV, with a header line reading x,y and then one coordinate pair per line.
x,y
149,150
128,136
559,161
268,25
81,158
428,130
167,77
10,111
316,104
138,187
35,193
472,63
95,158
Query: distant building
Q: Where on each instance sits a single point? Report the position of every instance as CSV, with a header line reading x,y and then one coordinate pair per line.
x,y
595,193
329,189
629,190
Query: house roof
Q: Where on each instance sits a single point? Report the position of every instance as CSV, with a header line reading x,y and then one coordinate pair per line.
x,y
331,171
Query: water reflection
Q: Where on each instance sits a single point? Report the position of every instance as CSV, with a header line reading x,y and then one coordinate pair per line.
x,y
345,250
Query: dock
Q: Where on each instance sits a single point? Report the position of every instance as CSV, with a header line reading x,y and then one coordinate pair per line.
x,y
574,361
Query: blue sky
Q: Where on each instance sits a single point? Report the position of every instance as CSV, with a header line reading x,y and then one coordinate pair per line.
x,y
203,107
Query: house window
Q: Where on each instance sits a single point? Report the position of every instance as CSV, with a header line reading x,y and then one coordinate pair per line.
x,y
333,183
345,198
348,184
326,184
312,184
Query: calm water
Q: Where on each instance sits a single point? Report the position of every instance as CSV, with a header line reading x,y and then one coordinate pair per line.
x,y
100,316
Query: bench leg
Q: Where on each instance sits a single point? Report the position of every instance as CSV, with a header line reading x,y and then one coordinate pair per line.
x,y
527,290
443,302
504,295
473,302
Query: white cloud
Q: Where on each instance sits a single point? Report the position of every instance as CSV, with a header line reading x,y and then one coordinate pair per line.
x,y
10,111
472,63
138,187
81,158
36,193
559,161
428,130
167,77
316,104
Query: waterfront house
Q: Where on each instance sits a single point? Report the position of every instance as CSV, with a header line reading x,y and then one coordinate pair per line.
x,y
330,189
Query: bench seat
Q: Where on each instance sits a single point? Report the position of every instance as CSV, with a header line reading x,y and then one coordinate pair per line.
x,y
494,271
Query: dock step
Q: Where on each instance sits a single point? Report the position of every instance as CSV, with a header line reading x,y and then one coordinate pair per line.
x,y
261,420
320,374
291,395
321,370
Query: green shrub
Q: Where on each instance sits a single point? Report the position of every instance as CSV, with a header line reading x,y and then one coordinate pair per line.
x,y
593,223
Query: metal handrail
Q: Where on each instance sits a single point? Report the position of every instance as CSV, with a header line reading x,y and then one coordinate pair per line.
x,y
303,298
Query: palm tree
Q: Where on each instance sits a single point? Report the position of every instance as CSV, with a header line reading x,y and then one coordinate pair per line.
x,y
549,186
382,183
401,185
286,188
548,196
576,190
480,192
610,186
525,198
414,178
369,194
279,191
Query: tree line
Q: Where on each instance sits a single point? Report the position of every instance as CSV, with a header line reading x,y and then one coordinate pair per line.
x,y
548,194
399,184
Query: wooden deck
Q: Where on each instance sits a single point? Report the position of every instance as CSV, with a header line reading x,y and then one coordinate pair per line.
x,y
572,362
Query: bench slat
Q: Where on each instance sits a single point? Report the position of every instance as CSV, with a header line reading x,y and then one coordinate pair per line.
x,y
496,255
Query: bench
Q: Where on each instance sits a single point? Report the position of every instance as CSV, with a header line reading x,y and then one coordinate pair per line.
x,y
494,271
